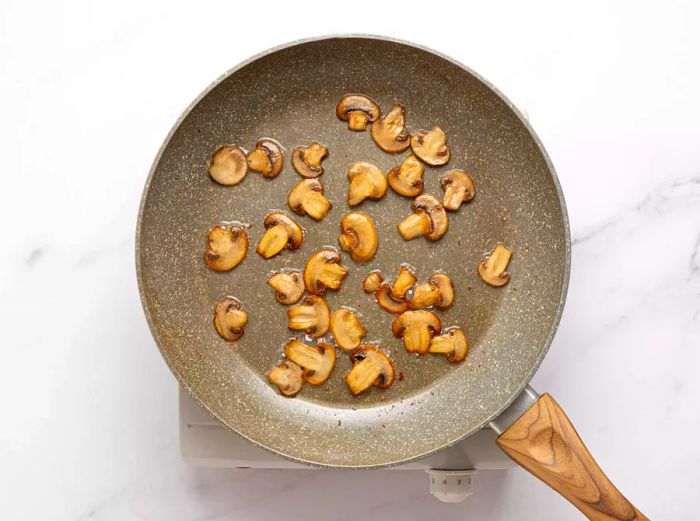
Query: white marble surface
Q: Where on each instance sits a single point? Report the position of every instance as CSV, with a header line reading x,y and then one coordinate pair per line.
x,y
87,93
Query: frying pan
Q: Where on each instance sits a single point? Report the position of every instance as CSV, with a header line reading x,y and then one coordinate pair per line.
x,y
289,93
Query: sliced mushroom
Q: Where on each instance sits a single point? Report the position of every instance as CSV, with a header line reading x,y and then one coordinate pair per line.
x,y
358,236
358,110
227,246
453,344
388,132
404,281
493,270
266,158
317,361
370,367
228,165
311,316
230,319
347,329
307,160
459,187
372,281
428,219
288,286
366,181
416,328
446,291
431,146
307,198
281,232
407,179
424,296
388,302
324,271
288,377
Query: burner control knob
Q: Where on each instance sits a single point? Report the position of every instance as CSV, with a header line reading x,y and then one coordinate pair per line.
x,y
450,486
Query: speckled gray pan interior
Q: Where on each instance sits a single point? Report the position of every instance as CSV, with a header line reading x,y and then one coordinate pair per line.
x,y
290,94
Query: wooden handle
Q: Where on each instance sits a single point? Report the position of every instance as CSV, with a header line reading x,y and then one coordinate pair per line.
x,y
544,442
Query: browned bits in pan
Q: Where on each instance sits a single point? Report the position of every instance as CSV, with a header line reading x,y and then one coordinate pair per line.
x,y
307,198
358,110
324,271
266,158
358,236
431,146
281,231
228,165
230,319
311,316
366,182
459,188
428,219
307,160
227,246
389,132
371,367
493,270
317,361
407,179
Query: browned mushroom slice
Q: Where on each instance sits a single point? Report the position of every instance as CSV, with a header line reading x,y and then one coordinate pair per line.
x,y
428,219
370,367
311,316
307,160
372,281
459,188
388,132
407,179
446,291
307,198
431,146
266,158
387,301
227,246
230,319
347,329
424,296
287,377
493,270
358,110
453,344
228,165
288,286
416,328
358,236
281,232
404,281
324,271
366,182
317,361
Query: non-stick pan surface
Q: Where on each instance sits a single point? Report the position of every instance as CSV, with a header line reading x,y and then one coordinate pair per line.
x,y
290,94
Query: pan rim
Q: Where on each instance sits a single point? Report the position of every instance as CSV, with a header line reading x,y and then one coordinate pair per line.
x,y
523,120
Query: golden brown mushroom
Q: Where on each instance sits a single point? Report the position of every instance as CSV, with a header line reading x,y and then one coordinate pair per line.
x,y
424,296
358,236
288,286
324,271
228,165
453,344
358,110
428,219
388,302
388,132
366,181
347,329
446,291
230,319
307,160
311,316
307,198
416,328
227,246
459,187
317,361
407,179
372,281
281,232
493,270
288,377
404,281
266,158
370,367
431,146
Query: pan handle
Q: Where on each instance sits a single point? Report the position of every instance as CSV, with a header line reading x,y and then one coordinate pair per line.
x,y
536,433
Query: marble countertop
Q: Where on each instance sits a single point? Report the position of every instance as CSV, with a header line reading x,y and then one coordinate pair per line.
x,y
88,426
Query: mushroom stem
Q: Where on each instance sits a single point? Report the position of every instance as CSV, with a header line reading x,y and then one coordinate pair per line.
x,y
442,344
360,189
316,205
414,225
272,242
302,317
331,275
417,338
454,195
363,375
357,120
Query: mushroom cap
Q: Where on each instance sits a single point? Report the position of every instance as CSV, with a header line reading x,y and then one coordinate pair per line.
x,y
388,302
306,160
228,165
407,178
347,329
435,211
287,377
230,319
311,316
424,296
388,132
446,291
370,367
307,198
416,328
227,246
317,361
452,343
266,158
459,187
493,270
288,286
358,236
357,103
372,281
324,270
431,146
366,181
294,231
